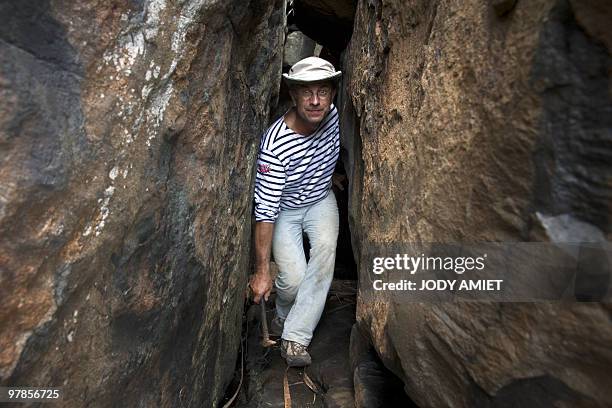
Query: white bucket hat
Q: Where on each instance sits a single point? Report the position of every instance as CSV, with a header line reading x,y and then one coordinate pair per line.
x,y
311,69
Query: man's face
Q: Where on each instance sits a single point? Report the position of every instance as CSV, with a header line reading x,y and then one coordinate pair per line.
x,y
313,101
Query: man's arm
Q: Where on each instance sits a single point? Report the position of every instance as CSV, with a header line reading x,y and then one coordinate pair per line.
x,y
269,183
261,281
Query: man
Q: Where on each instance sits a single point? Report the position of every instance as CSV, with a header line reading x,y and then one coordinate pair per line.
x,y
297,157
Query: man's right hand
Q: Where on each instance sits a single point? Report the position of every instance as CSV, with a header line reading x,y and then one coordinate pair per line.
x,y
261,284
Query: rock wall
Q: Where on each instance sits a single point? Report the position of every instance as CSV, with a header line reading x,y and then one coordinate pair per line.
x,y
482,121
128,132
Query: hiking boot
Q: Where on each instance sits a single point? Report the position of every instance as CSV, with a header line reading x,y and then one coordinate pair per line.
x,y
276,326
295,354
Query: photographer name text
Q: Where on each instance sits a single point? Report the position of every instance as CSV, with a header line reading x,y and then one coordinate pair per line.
x,y
440,285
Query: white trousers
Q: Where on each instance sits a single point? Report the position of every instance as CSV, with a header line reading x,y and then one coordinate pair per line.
x,y
302,287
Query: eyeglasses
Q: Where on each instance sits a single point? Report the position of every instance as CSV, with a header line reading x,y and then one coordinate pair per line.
x,y
306,94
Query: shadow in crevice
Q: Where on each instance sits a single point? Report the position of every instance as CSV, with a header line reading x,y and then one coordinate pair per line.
x,y
571,74
375,385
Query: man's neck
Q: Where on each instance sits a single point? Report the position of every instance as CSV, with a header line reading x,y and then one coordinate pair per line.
x,y
295,123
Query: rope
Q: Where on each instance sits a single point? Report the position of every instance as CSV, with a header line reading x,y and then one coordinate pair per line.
x,y
231,400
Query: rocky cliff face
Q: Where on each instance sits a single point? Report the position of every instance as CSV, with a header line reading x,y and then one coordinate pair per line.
x,y
128,132
475,121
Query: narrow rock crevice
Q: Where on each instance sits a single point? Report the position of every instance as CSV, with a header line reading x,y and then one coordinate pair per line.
x,y
128,138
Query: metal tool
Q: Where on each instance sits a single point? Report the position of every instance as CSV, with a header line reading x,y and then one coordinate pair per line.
x,y
265,342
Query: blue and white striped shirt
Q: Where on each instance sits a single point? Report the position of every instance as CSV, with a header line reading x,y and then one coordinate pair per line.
x,y
294,170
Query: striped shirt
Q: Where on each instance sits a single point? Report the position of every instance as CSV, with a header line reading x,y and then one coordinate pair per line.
x,y
294,170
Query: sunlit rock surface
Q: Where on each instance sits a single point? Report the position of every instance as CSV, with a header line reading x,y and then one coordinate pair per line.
x,y
128,132
475,121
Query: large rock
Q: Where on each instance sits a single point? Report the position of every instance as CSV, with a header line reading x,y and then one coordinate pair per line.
x,y
469,121
128,132
297,47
